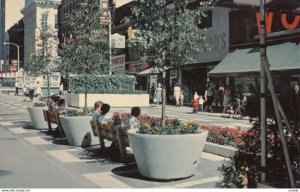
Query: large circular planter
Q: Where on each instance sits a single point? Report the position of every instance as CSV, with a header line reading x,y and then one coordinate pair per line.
x,y
78,131
37,117
166,157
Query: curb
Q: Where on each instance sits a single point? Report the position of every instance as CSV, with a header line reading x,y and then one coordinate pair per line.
x,y
222,150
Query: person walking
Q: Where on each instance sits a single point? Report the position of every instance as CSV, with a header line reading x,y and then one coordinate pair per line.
x,y
38,89
31,91
61,89
158,94
25,94
176,94
209,98
17,88
182,97
227,97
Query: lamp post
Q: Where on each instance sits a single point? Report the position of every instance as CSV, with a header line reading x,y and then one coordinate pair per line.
x,y
18,51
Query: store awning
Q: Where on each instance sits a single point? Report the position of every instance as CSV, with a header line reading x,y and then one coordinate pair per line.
x,y
281,57
151,71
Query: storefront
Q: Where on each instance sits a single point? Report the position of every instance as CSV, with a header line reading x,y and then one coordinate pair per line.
x,y
243,65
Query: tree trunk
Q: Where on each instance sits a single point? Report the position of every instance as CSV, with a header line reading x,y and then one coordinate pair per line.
x,y
48,88
163,110
85,95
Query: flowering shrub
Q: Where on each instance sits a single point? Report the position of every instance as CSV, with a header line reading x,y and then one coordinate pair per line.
x,y
173,126
39,104
152,125
224,135
247,160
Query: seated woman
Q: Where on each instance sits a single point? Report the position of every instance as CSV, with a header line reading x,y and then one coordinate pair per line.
x,y
104,117
96,111
53,104
132,122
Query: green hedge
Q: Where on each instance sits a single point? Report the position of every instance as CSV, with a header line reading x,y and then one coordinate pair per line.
x,y
118,84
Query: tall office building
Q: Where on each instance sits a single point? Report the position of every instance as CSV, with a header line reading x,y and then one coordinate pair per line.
x,y
9,15
37,13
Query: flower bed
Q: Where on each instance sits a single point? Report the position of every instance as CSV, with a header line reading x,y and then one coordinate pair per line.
x,y
151,125
216,134
224,135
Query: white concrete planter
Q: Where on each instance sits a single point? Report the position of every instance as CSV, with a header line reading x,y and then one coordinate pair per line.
x,y
167,157
78,131
115,100
37,117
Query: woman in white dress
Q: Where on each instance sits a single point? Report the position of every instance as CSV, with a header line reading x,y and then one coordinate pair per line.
x,y
38,89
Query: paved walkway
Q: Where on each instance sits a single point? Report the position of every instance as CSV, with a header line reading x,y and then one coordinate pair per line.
x,y
33,159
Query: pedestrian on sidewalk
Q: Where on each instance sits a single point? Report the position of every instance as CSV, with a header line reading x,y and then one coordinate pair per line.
x,y
195,103
177,93
25,94
17,88
182,97
61,88
209,98
31,91
38,89
158,94
201,103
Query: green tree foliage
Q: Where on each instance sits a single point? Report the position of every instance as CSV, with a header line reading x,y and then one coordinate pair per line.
x,y
44,61
167,31
86,47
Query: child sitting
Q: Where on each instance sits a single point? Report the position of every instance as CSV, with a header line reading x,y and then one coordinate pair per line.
x,y
96,111
132,122
195,103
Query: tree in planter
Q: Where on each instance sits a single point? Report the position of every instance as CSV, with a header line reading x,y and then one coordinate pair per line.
x,y
86,48
167,33
44,61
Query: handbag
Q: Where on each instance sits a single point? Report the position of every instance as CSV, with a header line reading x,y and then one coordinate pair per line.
x,y
154,99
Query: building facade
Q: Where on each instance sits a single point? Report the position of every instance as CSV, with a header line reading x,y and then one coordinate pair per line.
x,y
36,14
9,15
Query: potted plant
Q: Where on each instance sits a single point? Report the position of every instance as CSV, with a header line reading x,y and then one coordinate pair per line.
x,y
170,153
164,32
76,126
37,116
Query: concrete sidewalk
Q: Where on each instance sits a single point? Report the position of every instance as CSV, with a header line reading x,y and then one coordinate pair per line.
x,y
34,159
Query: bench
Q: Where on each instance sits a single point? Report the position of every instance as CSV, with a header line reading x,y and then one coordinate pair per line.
x,y
52,117
111,133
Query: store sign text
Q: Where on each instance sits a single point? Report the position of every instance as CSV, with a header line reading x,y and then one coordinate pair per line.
x,y
269,20
216,41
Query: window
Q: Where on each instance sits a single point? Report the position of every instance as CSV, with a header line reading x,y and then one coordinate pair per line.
x,y
44,22
56,21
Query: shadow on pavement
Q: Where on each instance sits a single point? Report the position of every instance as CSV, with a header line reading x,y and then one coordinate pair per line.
x,y
131,171
5,172
101,156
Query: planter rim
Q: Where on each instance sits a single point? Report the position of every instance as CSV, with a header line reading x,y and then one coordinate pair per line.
x,y
79,117
37,107
133,132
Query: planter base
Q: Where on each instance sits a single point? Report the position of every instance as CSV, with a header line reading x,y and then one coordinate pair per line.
x,y
166,157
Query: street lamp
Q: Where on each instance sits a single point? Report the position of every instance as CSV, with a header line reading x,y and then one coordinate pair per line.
x,y
18,49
